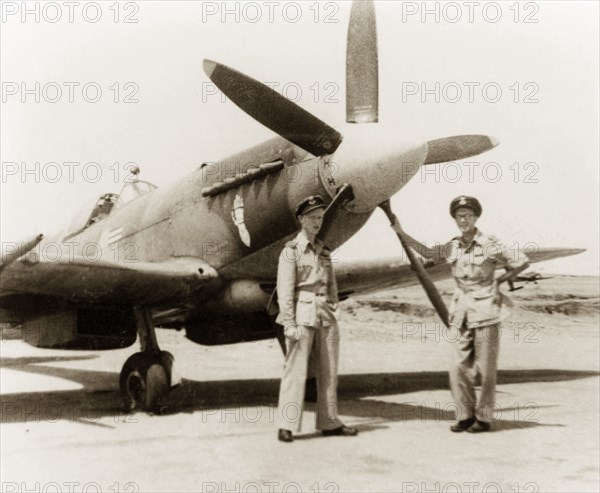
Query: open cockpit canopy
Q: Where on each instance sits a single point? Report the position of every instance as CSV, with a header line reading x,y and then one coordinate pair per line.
x,y
106,204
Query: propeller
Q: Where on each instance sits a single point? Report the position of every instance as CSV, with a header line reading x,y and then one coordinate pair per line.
x,y
342,197
291,121
362,72
458,147
274,110
432,292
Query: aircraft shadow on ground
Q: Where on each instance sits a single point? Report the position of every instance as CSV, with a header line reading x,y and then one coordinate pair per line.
x,y
88,406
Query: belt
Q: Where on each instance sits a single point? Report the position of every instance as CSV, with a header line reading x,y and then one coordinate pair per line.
x,y
477,288
316,293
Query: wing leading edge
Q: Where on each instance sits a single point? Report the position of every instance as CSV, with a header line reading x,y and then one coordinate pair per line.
x,y
80,282
375,275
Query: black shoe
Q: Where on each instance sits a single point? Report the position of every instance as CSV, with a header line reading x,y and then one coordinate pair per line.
x,y
343,430
462,425
479,427
284,436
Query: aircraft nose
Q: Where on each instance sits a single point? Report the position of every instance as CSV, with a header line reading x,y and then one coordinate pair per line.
x,y
375,166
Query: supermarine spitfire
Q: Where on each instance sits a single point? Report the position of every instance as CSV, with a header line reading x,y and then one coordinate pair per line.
x,y
201,255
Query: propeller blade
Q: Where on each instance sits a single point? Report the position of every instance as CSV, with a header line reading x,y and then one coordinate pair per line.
x,y
362,73
274,110
343,196
458,147
432,293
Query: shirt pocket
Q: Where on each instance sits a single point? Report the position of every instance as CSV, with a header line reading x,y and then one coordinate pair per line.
x,y
483,265
303,272
305,308
484,293
478,260
478,256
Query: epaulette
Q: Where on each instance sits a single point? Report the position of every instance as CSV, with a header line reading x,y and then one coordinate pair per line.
x,y
291,251
485,238
453,253
292,244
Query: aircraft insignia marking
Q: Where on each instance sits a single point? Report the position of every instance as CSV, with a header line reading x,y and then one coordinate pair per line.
x,y
115,235
237,216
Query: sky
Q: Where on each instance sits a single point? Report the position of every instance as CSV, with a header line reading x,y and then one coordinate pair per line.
x,y
87,89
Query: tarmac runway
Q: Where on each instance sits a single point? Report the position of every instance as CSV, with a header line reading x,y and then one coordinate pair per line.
x,y
63,428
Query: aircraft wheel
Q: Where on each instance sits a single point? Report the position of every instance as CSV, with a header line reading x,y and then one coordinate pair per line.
x,y
144,382
167,360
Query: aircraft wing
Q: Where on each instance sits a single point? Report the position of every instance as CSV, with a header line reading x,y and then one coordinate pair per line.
x,y
543,254
375,275
28,287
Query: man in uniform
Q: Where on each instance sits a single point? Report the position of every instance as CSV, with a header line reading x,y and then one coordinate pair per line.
x,y
475,314
307,294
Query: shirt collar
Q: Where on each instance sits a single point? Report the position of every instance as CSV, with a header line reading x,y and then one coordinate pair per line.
x,y
303,241
476,239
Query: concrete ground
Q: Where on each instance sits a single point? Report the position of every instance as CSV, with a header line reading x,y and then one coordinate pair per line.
x,y
63,428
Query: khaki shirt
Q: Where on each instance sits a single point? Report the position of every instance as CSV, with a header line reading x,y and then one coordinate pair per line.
x,y
477,299
306,286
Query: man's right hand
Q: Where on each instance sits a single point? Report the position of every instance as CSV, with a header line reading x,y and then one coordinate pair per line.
x,y
292,332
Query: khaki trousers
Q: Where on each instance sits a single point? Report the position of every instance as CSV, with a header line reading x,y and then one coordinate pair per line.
x,y
475,351
324,342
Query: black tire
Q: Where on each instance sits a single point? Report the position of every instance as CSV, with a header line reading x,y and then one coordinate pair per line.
x,y
167,360
144,382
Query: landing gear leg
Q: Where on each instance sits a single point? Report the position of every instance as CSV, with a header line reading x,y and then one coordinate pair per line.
x,y
146,376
